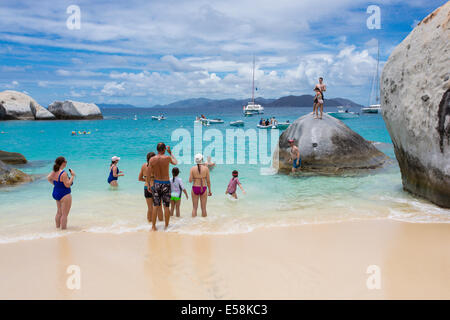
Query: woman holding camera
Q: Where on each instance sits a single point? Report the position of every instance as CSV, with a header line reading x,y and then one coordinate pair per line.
x,y
61,191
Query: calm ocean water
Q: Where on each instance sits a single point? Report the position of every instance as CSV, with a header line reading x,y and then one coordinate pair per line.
x,y
27,211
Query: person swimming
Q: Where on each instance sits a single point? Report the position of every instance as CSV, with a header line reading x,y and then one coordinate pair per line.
x,y
61,191
176,188
232,185
114,172
199,177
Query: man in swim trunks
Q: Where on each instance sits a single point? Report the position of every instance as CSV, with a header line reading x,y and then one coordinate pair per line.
x,y
159,181
295,156
321,86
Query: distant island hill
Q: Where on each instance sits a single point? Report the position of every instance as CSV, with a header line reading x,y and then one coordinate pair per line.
x,y
16,105
303,101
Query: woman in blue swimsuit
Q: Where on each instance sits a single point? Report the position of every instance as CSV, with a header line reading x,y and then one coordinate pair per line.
x,y
114,172
61,191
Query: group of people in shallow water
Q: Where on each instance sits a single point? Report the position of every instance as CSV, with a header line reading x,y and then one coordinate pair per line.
x,y
162,194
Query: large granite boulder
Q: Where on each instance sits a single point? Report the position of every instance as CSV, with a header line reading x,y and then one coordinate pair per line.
x,y
9,176
40,113
16,105
12,157
415,91
326,146
68,110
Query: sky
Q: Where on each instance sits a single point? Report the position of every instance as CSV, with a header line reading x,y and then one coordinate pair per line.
x,y
148,52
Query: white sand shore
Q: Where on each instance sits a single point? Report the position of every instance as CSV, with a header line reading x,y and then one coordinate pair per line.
x,y
307,262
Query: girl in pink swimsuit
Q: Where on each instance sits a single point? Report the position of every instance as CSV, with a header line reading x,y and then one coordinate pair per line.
x,y
232,185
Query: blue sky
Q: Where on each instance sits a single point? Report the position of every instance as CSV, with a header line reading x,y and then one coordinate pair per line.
x,y
147,52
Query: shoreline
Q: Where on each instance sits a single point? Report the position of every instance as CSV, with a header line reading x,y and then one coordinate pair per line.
x,y
314,261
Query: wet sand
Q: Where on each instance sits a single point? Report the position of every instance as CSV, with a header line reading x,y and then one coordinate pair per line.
x,y
322,261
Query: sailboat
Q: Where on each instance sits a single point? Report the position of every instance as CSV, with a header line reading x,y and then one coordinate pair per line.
x,y
375,108
253,108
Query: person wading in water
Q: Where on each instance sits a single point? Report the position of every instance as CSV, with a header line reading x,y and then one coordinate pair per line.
x,y
159,181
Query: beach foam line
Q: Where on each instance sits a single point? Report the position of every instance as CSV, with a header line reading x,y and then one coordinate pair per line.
x,y
35,236
195,229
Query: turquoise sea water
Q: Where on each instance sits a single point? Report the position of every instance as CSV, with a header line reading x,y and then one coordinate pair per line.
x,y
27,211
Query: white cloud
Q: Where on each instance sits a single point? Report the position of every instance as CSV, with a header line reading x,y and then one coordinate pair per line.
x,y
168,50
349,67
63,73
13,84
113,88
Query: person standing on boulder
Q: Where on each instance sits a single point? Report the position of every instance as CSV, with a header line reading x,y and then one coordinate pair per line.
x,y
322,87
318,102
295,156
159,181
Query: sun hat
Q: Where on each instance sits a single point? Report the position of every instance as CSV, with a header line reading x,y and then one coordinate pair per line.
x,y
115,158
198,158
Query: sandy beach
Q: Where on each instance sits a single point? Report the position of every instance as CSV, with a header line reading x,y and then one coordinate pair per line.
x,y
321,261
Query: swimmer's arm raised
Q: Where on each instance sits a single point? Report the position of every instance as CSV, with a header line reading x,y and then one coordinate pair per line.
x,y
173,160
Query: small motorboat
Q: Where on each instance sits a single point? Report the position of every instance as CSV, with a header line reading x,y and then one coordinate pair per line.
x,y
211,121
238,123
373,108
159,118
283,125
215,121
266,127
343,113
135,117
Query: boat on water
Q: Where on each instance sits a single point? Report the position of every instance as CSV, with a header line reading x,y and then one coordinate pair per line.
x,y
259,126
249,113
374,107
207,122
238,123
283,125
159,118
344,113
253,108
135,117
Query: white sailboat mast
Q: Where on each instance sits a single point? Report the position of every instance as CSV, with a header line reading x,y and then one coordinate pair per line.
x,y
378,75
253,82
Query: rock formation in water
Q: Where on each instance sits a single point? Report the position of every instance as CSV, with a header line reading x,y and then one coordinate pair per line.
x,y
10,176
68,110
19,106
327,146
415,92
12,157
